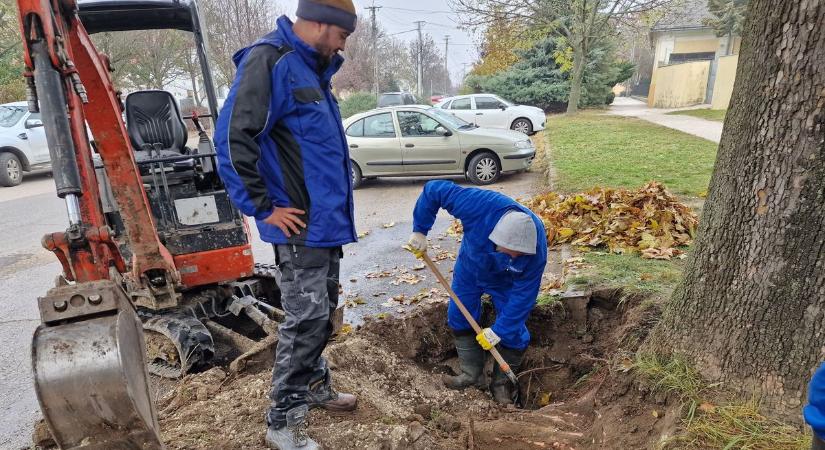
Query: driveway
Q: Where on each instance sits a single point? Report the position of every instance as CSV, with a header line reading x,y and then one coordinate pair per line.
x,y
630,107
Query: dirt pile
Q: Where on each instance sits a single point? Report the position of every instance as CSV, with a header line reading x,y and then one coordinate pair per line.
x,y
576,392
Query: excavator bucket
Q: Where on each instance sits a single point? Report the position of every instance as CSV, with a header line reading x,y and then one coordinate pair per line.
x,y
90,371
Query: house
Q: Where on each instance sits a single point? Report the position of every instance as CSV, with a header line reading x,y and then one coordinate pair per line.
x,y
692,65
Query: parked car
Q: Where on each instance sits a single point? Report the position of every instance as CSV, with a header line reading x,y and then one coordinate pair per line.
x,y
492,111
395,98
23,145
416,140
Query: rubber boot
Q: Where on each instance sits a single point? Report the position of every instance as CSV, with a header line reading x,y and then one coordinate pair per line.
x,y
817,443
471,359
501,387
293,435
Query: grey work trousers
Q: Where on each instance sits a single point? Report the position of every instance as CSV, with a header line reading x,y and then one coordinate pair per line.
x,y
309,296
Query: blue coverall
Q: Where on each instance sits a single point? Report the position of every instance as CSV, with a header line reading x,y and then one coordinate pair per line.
x,y
513,284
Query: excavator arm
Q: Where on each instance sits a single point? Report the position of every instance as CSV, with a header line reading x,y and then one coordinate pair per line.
x,y
88,354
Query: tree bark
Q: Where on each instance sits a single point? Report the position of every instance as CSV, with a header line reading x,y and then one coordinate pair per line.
x,y
750,311
579,54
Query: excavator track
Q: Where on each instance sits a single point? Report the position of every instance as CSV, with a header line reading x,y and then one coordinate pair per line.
x,y
175,342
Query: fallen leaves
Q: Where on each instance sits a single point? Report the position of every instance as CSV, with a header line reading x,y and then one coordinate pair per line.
x,y
649,221
427,296
441,255
353,302
456,229
407,278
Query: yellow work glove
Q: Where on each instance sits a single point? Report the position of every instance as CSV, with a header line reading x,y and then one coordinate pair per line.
x,y
487,339
417,245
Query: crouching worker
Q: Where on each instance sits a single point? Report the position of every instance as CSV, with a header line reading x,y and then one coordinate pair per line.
x,y
814,411
503,254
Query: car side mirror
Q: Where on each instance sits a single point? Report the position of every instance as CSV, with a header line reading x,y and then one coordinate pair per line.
x,y
34,123
443,131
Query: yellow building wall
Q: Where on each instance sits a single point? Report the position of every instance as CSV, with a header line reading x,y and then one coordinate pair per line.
x,y
679,85
723,86
695,46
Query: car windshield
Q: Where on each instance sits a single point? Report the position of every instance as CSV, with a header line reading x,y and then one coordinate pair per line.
x,y
390,100
9,115
448,118
506,102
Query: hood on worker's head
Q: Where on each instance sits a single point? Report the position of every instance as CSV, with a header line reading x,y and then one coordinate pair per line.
x,y
516,231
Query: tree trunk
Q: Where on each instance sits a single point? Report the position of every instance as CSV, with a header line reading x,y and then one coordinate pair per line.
x,y
579,55
750,311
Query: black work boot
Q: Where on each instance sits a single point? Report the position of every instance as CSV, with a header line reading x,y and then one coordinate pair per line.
x,y
501,387
471,361
322,395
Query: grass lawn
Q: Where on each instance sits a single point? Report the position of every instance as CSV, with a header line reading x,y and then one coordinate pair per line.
x,y
597,149
709,114
646,276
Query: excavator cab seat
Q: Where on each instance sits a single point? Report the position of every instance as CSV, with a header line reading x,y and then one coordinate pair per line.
x,y
156,128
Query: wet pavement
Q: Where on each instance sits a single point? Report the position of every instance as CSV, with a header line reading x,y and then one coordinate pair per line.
x,y
28,271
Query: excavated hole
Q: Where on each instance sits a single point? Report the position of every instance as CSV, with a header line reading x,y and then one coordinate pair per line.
x,y
564,353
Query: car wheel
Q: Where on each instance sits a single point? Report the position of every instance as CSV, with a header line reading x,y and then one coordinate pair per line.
x,y
484,168
522,126
357,178
11,171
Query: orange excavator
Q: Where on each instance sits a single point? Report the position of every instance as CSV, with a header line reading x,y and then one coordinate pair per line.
x,y
157,263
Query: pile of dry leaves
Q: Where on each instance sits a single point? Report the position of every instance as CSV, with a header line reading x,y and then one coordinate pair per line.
x,y
649,221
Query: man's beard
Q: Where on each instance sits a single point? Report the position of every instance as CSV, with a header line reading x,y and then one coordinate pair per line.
x,y
326,55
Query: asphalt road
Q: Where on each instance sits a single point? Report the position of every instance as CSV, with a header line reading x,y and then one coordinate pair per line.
x,y
30,210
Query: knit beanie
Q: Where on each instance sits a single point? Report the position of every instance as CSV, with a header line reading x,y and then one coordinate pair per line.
x,y
334,12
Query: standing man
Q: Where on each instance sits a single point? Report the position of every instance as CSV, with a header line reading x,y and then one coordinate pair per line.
x,y
503,254
283,156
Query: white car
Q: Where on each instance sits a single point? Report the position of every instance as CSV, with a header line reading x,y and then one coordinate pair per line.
x,y
492,111
23,145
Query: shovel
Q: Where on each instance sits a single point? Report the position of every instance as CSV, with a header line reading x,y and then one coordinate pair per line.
x,y
477,329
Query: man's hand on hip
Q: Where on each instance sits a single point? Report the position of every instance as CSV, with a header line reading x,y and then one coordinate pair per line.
x,y
287,220
487,338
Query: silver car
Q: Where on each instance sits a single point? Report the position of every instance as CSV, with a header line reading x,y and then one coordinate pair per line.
x,y
415,140
22,143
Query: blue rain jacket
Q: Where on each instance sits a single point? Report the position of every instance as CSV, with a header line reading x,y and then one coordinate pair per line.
x,y
280,140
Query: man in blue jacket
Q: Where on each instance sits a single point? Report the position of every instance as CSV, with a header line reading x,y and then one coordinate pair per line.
x,y
283,157
502,254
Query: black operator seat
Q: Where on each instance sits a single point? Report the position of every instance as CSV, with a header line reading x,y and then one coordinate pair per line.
x,y
156,127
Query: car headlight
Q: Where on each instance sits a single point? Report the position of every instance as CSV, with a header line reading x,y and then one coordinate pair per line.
x,y
524,144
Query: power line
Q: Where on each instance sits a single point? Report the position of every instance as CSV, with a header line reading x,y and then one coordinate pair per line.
x,y
430,11
402,32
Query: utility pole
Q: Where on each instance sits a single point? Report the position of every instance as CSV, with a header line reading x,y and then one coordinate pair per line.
x,y
373,9
420,92
446,70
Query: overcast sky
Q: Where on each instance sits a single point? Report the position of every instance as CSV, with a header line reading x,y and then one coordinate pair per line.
x,y
399,16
